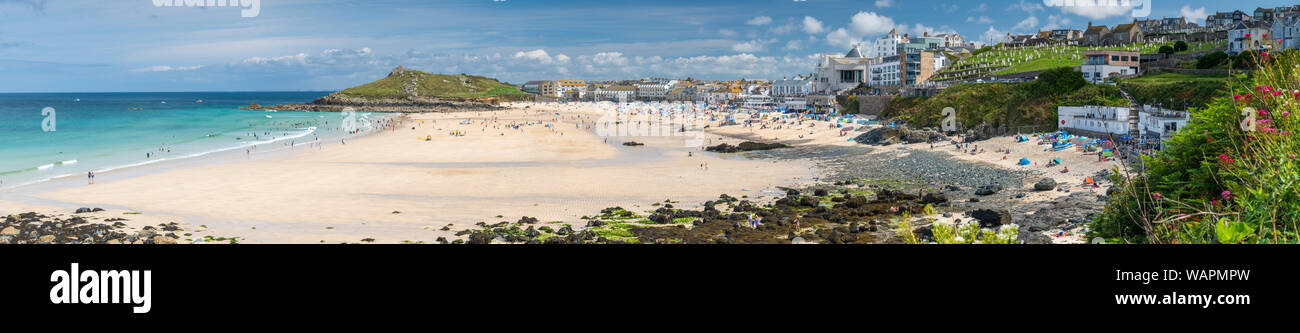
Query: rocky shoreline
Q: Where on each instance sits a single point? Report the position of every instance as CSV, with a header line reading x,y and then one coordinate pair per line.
x,y
33,228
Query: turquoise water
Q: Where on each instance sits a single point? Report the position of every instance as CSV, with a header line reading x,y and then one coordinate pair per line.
x,y
107,131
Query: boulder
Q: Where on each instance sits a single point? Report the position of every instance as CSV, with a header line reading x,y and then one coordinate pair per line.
x,y
933,198
991,218
989,189
1045,184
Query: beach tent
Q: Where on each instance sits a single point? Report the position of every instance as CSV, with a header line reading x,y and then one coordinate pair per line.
x,y
1024,161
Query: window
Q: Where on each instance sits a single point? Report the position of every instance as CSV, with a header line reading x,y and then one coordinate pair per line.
x,y
1114,58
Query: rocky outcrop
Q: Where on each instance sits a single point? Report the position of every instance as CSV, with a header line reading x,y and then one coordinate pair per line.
x,y
901,134
745,146
1045,184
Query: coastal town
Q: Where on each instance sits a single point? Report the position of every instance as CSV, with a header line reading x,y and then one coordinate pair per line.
x,y
1030,135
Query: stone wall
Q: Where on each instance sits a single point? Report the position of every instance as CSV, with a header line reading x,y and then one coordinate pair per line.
x,y
872,105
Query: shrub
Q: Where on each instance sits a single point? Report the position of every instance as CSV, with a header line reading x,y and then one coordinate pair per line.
x,y
1180,46
1215,181
1211,60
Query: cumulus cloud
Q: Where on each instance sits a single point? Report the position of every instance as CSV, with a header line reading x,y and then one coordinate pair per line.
x,y
165,69
841,38
1027,24
812,25
751,46
867,23
793,45
761,20
727,32
541,56
993,36
1056,22
1193,14
1029,7
1096,9
884,3
981,20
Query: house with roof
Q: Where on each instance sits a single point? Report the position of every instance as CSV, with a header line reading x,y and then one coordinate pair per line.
x,y
1285,31
1249,35
1094,35
1125,34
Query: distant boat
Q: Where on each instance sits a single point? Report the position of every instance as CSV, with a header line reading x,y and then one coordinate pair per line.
x,y
198,101
268,116
164,102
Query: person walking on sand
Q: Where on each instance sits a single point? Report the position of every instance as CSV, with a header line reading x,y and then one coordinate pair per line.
x,y
90,178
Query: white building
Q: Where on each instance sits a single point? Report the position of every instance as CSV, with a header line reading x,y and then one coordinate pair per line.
x,y
1157,123
616,93
887,45
654,90
1101,65
798,86
835,72
886,73
1094,119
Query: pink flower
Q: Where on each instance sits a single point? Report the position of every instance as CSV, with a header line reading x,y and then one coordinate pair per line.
x,y
1290,156
1156,195
1224,159
1287,113
1263,112
1214,202
1227,195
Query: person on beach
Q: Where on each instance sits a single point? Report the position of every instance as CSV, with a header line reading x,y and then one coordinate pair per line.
x,y
90,176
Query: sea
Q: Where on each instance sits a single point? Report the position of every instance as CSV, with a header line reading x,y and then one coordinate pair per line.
x,y
44,136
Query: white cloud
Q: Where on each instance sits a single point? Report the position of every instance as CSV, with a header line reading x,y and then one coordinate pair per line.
x,y
761,20
980,20
166,69
841,38
751,46
812,25
1027,24
1194,14
982,7
919,29
1029,7
869,23
993,36
727,32
884,3
1056,22
793,45
540,56
786,28
1097,9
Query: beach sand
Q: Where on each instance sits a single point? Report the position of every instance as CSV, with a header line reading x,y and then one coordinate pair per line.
x,y
395,186
408,183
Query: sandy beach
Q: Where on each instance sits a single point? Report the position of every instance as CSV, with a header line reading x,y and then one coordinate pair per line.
x,y
408,183
435,174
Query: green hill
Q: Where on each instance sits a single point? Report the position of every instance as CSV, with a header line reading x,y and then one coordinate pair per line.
x,y
404,83
1020,104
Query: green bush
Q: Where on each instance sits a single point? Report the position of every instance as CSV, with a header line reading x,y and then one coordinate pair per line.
x,y
1211,60
1216,182
1180,46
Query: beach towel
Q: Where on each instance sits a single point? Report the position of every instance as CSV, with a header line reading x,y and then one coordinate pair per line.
x,y
1024,161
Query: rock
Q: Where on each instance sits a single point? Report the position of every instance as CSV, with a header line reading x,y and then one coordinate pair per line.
x,y
820,192
1045,184
744,146
991,218
900,134
46,239
633,144
9,231
934,197
160,239
989,189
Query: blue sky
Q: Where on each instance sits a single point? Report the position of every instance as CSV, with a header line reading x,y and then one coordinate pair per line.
x,y
132,45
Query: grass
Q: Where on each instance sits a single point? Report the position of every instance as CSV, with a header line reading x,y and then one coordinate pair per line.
x,y
434,85
1009,60
1167,77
